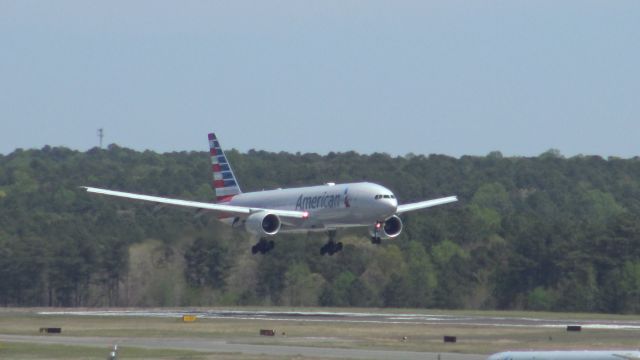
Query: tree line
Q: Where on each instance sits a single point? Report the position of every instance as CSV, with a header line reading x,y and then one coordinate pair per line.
x,y
540,233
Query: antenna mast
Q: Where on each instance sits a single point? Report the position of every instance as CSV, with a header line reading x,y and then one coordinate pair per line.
x,y
100,136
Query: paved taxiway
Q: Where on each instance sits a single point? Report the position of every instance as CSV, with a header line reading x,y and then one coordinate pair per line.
x,y
222,346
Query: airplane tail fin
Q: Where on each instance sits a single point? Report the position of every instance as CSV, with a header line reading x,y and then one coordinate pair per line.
x,y
224,181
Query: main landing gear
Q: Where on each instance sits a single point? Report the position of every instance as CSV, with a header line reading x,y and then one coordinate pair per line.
x,y
263,246
331,247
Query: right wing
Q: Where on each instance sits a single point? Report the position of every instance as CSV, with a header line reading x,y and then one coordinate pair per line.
x,y
425,204
242,211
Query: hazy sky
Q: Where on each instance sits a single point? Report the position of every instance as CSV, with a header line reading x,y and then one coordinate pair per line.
x,y
449,77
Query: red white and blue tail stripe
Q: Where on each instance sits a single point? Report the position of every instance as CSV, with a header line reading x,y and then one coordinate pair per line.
x,y
224,182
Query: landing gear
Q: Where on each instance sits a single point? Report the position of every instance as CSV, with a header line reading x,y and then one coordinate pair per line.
x,y
331,247
375,239
263,246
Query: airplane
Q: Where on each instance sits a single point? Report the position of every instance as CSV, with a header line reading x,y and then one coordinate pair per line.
x,y
568,355
324,208
113,355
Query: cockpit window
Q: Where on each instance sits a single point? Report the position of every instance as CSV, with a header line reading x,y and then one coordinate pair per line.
x,y
378,197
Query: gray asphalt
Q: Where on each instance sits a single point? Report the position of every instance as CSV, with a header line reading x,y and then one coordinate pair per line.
x,y
364,317
221,346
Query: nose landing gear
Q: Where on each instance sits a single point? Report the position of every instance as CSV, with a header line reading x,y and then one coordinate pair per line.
x,y
375,238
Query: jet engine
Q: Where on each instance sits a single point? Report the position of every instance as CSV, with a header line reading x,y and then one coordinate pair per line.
x,y
262,224
389,229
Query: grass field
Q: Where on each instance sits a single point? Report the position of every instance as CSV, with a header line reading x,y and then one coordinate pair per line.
x,y
38,351
422,337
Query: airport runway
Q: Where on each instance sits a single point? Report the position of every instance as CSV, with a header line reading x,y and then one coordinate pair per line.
x,y
364,317
222,346
235,345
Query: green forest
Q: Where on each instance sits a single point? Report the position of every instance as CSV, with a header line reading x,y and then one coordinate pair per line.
x,y
538,233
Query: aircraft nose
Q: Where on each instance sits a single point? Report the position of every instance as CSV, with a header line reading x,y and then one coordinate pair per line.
x,y
498,356
391,205
394,204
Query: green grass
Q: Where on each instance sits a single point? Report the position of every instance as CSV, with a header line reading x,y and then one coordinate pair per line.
x,y
38,351
421,337
24,351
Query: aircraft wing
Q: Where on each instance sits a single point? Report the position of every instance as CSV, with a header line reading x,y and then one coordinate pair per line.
x,y
228,209
425,204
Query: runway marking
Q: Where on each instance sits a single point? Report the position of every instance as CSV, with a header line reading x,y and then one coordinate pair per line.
x,y
365,318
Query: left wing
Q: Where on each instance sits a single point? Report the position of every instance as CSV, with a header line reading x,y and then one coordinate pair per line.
x,y
425,204
228,209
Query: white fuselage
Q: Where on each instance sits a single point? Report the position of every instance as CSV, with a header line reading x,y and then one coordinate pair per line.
x,y
329,206
567,355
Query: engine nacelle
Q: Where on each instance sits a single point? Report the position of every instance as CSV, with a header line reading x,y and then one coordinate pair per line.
x,y
262,224
391,228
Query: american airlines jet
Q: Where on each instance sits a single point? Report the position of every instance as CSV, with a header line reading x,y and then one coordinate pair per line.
x,y
324,208
568,355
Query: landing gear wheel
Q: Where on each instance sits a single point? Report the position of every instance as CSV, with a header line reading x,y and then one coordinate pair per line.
x,y
375,238
331,248
263,246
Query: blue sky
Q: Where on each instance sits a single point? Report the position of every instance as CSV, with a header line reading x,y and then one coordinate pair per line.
x,y
449,77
